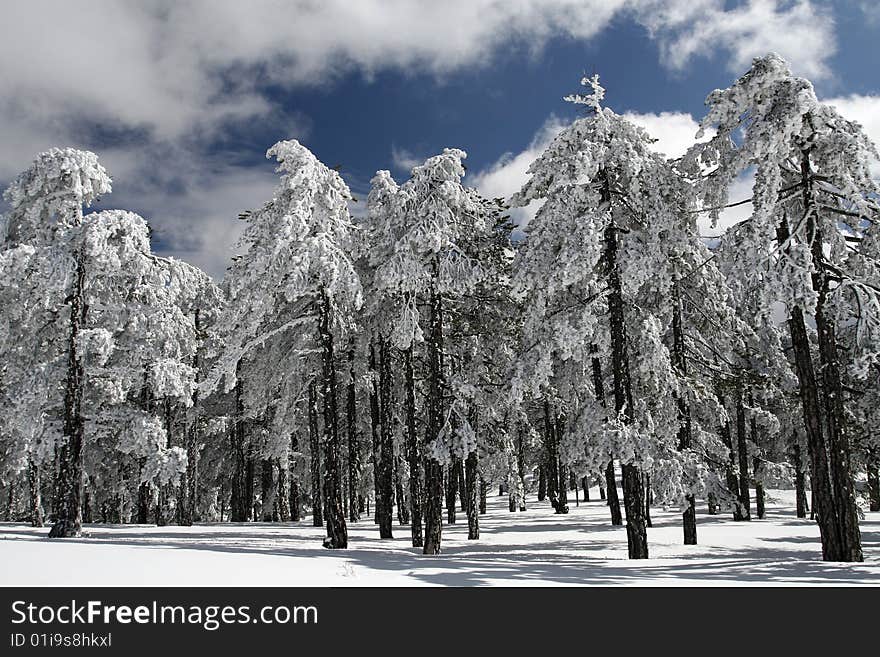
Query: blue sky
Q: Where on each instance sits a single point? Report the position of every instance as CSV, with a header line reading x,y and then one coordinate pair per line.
x,y
182,100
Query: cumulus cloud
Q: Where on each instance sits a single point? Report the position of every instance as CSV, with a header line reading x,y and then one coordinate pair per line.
x,y
404,160
674,131
801,31
508,174
866,111
180,73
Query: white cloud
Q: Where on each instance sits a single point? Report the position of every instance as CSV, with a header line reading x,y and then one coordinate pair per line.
x,y
799,30
404,160
507,175
866,111
178,73
674,131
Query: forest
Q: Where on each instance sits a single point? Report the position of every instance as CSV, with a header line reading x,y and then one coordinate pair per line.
x,y
392,360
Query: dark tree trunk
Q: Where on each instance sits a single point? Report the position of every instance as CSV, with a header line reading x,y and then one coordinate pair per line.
x,y
610,479
451,486
585,484
685,428
36,501
484,489
613,497
633,501
520,471
602,493
414,451
337,532
239,502
354,455
732,480
250,472
560,466
712,504
9,514
633,494
293,480
385,466
873,483
551,457
542,482
282,494
436,389
87,506
400,493
800,483
470,495
648,501
143,504
743,457
760,508
189,479
267,490
756,464
834,496
317,495
68,522
375,430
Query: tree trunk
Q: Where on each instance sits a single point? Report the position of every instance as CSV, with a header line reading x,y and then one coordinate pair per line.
x,y
293,480
521,472
267,490
68,523
317,495
143,504
436,389
238,511
385,466
756,464
282,493
354,456
542,482
873,483
470,495
800,481
610,479
732,480
551,457
451,486
375,429
9,515
633,494
760,508
36,501
337,532
838,522
561,468
189,478
484,489
613,497
400,492
648,501
685,428
743,457
414,451
585,484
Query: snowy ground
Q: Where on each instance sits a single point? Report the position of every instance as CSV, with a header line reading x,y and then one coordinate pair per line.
x,y
521,549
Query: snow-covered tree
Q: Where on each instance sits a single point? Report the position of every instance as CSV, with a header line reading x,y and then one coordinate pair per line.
x,y
296,279
813,193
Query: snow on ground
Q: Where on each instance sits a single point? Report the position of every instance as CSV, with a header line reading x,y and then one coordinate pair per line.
x,y
520,549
